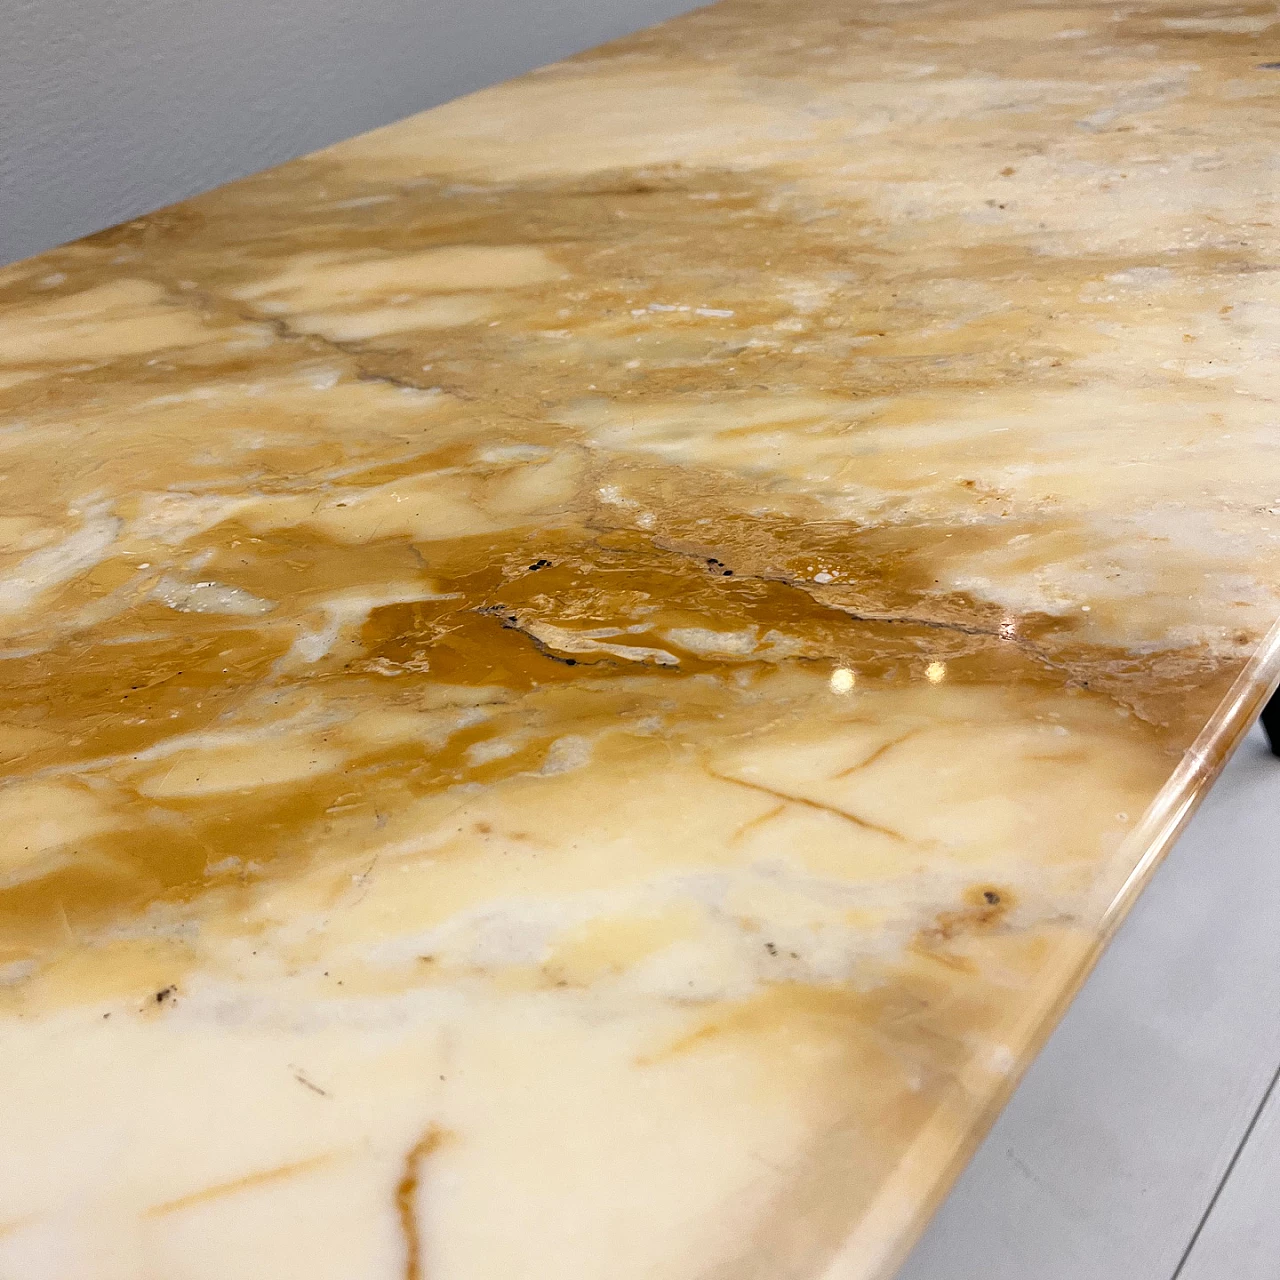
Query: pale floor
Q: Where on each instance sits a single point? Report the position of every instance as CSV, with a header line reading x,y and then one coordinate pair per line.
x,y
1144,1142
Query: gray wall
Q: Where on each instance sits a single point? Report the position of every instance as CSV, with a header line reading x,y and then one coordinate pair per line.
x,y
111,108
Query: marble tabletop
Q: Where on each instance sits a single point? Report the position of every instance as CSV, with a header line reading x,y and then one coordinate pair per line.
x,y
584,675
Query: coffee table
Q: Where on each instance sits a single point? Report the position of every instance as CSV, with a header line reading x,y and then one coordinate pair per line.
x,y
585,675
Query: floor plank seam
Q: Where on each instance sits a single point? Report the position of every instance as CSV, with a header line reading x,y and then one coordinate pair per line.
x,y
1226,1176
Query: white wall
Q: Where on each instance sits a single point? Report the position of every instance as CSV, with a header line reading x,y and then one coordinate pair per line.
x,y
111,108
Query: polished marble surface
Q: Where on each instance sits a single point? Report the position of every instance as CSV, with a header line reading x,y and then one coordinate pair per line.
x,y
585,674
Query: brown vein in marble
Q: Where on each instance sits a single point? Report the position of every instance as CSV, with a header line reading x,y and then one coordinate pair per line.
x,y
1083,666
828,599
406,1197
249,1182
865,823
316,342
880,752
761,821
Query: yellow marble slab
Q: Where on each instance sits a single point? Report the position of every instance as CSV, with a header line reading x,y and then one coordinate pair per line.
x,y
585,674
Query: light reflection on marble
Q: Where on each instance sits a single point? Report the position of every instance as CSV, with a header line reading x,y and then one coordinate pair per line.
x,y
584,674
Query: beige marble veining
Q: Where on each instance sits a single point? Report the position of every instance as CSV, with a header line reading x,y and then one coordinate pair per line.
x,y
585,674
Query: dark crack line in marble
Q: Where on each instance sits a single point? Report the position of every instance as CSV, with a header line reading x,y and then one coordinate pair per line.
x,y
283,331
865,823
883,749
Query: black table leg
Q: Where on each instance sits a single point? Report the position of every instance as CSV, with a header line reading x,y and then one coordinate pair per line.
x,y
1271,723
